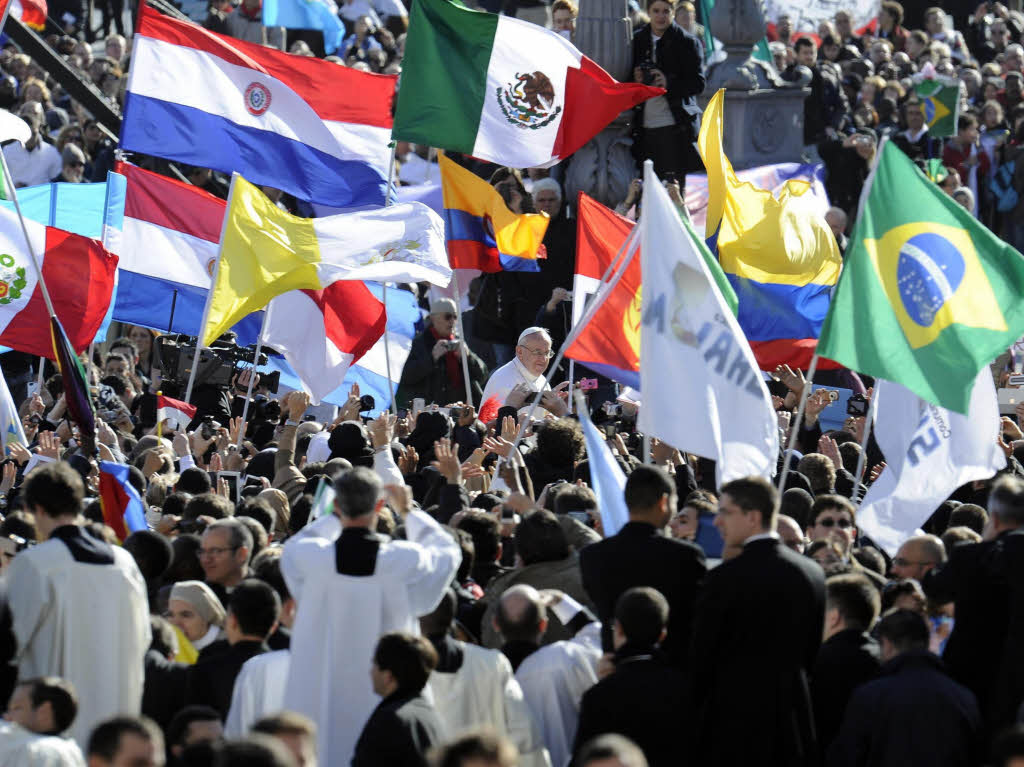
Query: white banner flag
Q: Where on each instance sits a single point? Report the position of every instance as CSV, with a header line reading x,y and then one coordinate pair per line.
x,y
806,15
929,452
702,390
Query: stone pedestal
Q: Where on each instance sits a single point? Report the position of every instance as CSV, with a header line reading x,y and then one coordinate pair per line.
x,y
763,126
604,167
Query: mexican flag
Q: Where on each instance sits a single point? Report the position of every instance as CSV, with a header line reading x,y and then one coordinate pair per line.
x,y
501,89
928,296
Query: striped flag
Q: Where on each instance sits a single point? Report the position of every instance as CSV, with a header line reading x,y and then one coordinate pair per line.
x,y
305,126
123,509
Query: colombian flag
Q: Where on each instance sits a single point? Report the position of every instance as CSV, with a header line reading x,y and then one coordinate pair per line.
x,y
123,509
781,259
480,231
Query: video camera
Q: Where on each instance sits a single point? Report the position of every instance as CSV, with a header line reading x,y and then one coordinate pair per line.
x,y
217,367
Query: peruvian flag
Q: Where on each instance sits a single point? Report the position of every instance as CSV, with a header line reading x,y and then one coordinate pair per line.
x,y
175,410
32,13
78,271
323,332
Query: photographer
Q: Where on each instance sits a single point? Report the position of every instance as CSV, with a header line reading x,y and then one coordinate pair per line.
x,y
665,128
434,368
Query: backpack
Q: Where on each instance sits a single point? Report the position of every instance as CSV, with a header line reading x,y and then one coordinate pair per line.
x,y
1002,187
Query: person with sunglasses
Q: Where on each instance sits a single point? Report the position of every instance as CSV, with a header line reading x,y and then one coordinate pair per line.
x,y
832,518
434,369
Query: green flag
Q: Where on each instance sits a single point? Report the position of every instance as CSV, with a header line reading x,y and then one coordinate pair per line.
x,y
928,296
940,101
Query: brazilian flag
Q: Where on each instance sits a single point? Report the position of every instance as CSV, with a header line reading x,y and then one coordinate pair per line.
x,y
928,296
940,101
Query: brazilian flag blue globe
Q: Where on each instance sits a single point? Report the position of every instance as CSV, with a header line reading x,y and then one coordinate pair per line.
x,y
928,296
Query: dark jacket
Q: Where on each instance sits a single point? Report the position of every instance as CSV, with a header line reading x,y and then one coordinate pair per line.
x,y
845,174
423,376
912,714
826,105
678,55
845,661
975,580
163,691
212,679
641,555
398,733
645,700
561,574
756,635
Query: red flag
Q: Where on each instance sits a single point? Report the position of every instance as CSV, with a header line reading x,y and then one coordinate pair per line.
x,y
610,343
79,273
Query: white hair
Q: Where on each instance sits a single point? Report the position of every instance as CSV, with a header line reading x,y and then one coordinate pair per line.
x,y
547,183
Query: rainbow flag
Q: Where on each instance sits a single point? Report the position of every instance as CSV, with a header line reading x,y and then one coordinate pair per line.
x,y
123,509
480,231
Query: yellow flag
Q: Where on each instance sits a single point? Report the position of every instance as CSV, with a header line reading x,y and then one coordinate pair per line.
x,y
265,252
757,236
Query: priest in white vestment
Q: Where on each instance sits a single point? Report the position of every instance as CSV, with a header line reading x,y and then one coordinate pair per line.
x,y
474,687
351,586
79,605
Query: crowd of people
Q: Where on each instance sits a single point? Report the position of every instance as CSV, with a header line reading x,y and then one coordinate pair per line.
x,y
416,588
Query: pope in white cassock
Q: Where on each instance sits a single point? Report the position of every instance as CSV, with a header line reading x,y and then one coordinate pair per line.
x,y
79,605
351,586
526,370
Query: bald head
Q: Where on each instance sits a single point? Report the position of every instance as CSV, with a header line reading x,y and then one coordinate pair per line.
x,y
917,556
836,220
790,533
521,614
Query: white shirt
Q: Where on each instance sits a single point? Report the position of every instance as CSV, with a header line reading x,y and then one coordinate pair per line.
x,y
22,748
507,376
554,679
913,138
259,691
40,166
483,692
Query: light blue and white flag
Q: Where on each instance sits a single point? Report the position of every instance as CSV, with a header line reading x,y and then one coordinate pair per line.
x,y
307,14
10,423
606,476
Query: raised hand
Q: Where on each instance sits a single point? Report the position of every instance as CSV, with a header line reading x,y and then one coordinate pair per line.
x,y
382,429
447,461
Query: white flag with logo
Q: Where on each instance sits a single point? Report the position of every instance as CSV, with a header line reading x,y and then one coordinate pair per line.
x,y
929,452
702,390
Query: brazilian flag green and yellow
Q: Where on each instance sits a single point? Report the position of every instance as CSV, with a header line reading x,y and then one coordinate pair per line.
x,y
928,296
940,101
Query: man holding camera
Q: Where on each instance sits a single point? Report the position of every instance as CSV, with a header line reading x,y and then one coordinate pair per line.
x,y
665,128
434,369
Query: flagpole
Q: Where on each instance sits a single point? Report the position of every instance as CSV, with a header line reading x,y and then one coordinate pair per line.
x,y
209,296
159,420
387,351
626,252
798,421
384,297
24,230
462,337
572,376
252,376
862,458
